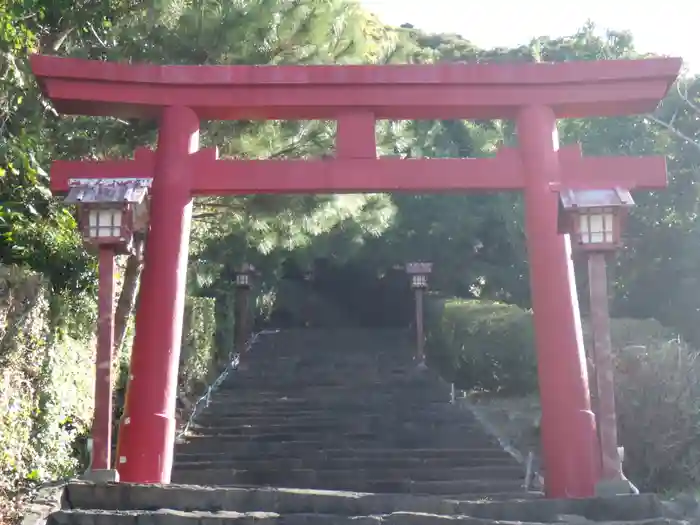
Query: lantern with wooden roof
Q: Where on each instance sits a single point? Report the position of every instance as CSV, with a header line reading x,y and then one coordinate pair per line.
x,y
594,218
110,213
419,272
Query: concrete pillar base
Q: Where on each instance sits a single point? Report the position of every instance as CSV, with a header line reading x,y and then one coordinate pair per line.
x,y
615,487
101,476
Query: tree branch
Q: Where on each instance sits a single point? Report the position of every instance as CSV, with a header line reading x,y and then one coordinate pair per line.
x,y
675,131
686,98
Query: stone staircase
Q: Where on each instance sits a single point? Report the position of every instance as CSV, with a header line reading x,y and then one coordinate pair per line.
x,y
343,410
340,427
114,504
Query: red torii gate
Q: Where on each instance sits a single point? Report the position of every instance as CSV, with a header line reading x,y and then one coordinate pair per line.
x,y
534,95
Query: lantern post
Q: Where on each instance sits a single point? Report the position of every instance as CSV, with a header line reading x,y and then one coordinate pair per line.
x,y
244,280
109,213
419,271
595,219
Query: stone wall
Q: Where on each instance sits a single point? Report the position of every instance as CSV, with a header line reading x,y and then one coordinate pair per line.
x,y
45,388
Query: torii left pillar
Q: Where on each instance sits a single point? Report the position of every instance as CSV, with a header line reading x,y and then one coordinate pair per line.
x,y
147,428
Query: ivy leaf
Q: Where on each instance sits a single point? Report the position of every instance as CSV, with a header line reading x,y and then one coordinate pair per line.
x,y
34,475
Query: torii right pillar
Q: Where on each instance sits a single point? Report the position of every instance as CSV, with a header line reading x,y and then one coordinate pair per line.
x,y
568,425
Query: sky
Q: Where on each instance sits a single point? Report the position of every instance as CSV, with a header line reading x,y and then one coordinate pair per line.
x,y
671,27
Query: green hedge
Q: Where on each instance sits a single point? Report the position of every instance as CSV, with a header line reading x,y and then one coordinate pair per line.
x,y
482,345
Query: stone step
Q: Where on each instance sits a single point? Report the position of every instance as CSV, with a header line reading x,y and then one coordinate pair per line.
x,y
441,413
126,497
210,473
331,383
237,382
404,439
374,403
416,412
301,356
252,395
519,495
361,375
241,380
322,473
256,448
389,486
324,417
169,517
280,424
295,447
417,454
337,427
349,431
311,356
224,460
319,374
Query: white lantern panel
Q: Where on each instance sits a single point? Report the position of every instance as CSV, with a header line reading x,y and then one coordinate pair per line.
x,y
597,226
609,227
105,222
584,229
419,281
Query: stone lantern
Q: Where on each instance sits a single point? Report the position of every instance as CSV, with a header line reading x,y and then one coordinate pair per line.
x,y
594,219
110,212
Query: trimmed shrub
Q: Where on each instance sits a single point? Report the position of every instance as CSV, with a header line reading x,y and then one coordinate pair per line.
x,y
482,345
487,346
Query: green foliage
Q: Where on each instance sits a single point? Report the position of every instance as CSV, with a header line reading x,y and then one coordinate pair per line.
x,y
297,304
47,383
199,350
34,230
224,311
482,345
657,391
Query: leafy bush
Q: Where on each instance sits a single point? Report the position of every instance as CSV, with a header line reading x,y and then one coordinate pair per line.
x,y
482,345
658,408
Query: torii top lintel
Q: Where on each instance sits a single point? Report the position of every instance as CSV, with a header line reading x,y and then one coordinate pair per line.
x,y
356,96
444,91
